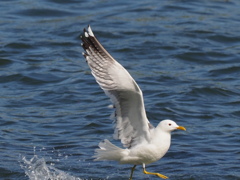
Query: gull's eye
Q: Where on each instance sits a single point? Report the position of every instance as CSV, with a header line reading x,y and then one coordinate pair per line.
x,y
169,124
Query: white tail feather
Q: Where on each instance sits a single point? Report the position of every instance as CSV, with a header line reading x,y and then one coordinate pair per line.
x,y
108,151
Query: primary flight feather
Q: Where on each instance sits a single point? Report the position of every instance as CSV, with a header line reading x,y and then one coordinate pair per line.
x,y
143,142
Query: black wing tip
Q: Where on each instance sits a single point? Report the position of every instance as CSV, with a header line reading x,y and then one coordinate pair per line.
x,y
87,32
86,37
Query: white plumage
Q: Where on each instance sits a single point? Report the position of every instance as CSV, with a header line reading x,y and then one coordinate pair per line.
x,y
144,143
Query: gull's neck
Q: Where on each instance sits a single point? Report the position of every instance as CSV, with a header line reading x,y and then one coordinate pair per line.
x,y
160,137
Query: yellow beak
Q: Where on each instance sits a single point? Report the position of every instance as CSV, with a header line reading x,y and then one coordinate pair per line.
x,y
181,128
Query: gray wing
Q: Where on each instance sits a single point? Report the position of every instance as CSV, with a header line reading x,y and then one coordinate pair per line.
x,y
132,125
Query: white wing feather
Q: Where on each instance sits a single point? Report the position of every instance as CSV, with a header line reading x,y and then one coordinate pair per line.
x,y
132,125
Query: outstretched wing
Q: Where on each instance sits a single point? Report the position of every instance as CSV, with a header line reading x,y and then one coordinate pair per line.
x,y
132,125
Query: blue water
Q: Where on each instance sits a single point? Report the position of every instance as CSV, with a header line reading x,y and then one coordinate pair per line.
x,y
184,54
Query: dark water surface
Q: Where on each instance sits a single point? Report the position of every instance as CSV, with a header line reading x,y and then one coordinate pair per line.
x,y
184,54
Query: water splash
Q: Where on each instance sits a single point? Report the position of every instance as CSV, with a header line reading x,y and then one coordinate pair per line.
x,y
37,169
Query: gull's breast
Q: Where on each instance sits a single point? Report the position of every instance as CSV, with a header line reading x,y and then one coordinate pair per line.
x,y
147,154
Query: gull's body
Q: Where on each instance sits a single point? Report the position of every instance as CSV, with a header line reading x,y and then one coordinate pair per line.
x,y
143,143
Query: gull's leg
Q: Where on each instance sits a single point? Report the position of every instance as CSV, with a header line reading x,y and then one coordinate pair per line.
x,y
133,168
156,174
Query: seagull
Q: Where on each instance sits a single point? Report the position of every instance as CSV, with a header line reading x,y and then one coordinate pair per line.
x,y
143,143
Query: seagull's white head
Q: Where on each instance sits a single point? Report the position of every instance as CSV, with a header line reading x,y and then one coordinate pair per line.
x,y
169,125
